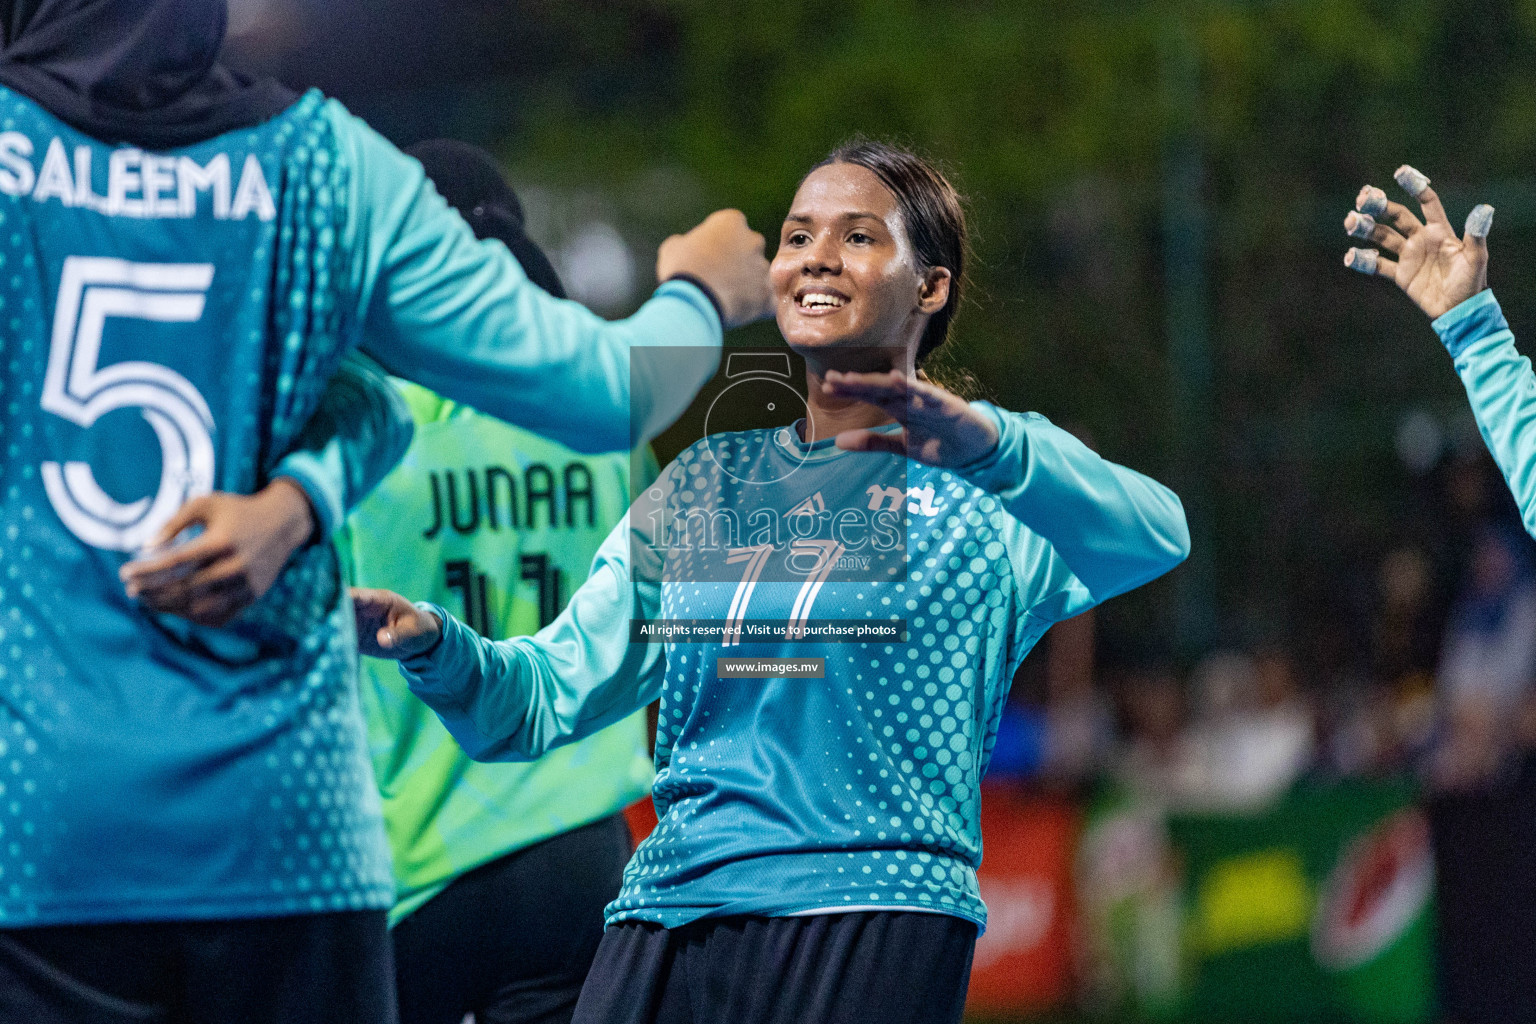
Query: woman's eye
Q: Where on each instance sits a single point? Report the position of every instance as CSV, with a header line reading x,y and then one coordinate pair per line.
x,y
799,238
860,238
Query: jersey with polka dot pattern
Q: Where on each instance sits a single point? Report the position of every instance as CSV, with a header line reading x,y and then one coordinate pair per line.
x,y
855,786
861,788
155,343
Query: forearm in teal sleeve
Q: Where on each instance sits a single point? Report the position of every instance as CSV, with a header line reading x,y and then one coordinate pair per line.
x,y
514,700
1114,528
358,433
1502,390
460,317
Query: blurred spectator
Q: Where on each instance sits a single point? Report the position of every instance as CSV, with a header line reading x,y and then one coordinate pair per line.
x,y
1078,725
1359,736
1057,728
1379,729
1404,641
1253,736
1153,761
1384,724
1406,646
1487,662
1490,647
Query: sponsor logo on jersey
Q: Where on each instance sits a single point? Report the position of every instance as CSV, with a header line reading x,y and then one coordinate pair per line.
x,y
920,500
815,505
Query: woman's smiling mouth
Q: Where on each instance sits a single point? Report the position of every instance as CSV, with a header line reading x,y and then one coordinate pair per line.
x,y
819,300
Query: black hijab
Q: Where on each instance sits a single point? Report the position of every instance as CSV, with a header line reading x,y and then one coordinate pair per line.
x,y
144,72
467,176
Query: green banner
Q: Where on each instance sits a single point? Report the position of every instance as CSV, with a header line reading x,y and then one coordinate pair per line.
x,y
1316,909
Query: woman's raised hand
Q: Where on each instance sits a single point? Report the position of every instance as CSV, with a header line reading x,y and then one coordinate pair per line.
x,y
1438,270
389,626
727,255
939,428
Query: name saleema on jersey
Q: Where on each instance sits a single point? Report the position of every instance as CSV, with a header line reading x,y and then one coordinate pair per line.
x,y
139,184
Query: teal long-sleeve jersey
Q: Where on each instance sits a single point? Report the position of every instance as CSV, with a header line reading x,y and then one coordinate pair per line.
x,y
910,593
168,324
1501,388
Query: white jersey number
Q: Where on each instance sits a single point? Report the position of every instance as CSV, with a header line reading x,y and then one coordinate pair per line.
x,y
77,388
824,555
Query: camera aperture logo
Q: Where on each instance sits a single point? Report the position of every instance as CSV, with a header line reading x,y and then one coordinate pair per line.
x,y
761,521
759,392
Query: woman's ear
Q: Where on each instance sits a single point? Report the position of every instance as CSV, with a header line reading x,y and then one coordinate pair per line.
x,y
935,290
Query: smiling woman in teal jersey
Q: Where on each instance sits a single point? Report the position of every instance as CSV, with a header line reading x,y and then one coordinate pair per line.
x,y
187,261
818,837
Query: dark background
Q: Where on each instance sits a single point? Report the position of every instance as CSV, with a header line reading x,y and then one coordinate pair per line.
x,y
1155,191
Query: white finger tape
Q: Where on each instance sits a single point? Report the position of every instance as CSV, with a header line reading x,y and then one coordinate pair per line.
x,y
1480,220
1363,226
1371,201
1363,260
1413,182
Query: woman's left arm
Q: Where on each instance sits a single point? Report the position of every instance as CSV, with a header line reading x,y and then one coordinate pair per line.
x,y
358,434
1112,527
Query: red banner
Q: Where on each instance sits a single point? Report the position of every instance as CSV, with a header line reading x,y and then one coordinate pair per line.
x,y
1024,960
641,816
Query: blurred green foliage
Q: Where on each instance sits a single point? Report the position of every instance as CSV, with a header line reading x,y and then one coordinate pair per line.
x,y
1056,120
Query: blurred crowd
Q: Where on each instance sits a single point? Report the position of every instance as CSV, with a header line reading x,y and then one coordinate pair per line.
x,y
1441,686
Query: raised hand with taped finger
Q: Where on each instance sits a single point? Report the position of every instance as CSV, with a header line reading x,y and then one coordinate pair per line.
x,y
1436,269
1447,277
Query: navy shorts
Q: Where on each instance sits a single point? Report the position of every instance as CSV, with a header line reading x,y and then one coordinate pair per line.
x,y
305,969
877,967
511,941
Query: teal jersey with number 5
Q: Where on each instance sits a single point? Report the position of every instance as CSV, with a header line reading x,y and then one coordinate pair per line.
x,y
168,324
501,526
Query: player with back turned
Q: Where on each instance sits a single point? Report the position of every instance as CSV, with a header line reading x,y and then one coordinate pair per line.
x,y
191,830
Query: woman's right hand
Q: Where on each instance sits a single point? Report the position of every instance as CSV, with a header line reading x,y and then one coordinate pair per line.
x,y
389,626
246,541
728,256
1436,269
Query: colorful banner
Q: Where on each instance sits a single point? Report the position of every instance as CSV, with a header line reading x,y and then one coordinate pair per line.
x,y
641,817
1318,908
